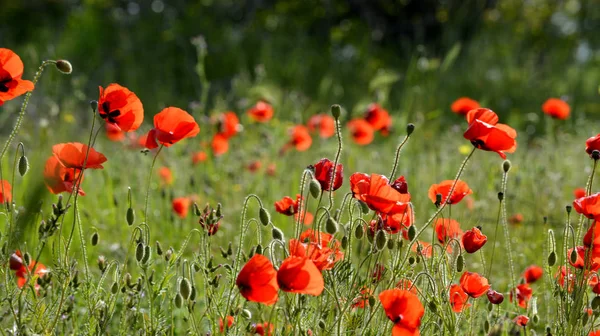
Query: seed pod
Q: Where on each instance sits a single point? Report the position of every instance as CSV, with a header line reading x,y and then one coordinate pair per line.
x,y
363,207
596,302
130,216
410,128
372,301
139,252
65,67
344,242
23,165
178,300
460,263
315,188
573,256
185,288
390,244
331,226
412,232
552,259
264,216
114,288
258,249
147,254
536,319
359,232
500,196
380,240
229,249
322,324
336,111
95,238
277,234
432,306
27,258
568,208
506,166
193,294
159,249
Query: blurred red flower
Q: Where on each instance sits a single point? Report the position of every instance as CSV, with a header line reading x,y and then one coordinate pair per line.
x,y
362,132
299,139
524,293
458,298
521,320
447,229
261,112
379,118
5,192
323,123
556,108
533,273
114,133
588,206
287,206
219,144
222,324
73,155
579,192
228,124
166,176
591,145
463,105
198,157
171,125
181,206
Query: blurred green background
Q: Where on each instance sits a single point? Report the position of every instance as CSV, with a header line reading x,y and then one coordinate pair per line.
x,y
414,57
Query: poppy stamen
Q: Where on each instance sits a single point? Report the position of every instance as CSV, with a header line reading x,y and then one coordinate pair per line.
x,y
3,86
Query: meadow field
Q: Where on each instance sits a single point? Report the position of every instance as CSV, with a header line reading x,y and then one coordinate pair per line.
x,y
286,168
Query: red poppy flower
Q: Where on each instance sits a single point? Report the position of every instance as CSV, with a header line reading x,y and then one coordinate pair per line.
x,y
474,284
362,300
524,293
533,273
594,258
473,240
261,112
299,139
591,145
323,123
565,274
458,298
362,132
324,171
21,272
400,185
460,191
5,192
592,236
322,238
11,71
287,206
222,324
181,206
399,219
521,320
73,155
199,157
318,247
171,125
254,166
447,229
229,124
306,217
300,275
404,309
482,114
120,107
219,144
588,206
377,193
166,175
426,250
59,179
378,117
114,133
556,108
463,105
257,280
594,333
516,219
495,297
579,193
264,329
492,136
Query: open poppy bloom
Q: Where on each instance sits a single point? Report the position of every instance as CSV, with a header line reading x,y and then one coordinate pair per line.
x,y
22,272
473,240
264,329
447,229
404,309
287,206
377,193
362,132
171,125
230,321
495,297
588,206
181,206
524,293
318,247
299,139
463,105
73,155
261,112
229,124
516,219
591,145
533,273
198,157
378,117
11,71
324,173
521,320
461,189
219,144
579,262
362,300
120,107
257,280
458,298
487,134
556,108
300,275
5,192
114,133
322,123
59,179
400,218
474,284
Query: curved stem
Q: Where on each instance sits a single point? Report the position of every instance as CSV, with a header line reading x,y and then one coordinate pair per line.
x,y
148,183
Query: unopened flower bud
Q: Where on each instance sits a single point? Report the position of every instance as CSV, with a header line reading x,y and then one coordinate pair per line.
x,y
114,288
552,258
336,111
264,216
178,300
596,302
506,166
130,216
23,165
569,208
258,249
277,234
380,240
500,196
438,199
412,232
410,128
64,66
315,188
573,256
101,263
139,252
331,226
359,232
185,288
390,244
147,254
95,238
344,242
159,249
460,263
246,314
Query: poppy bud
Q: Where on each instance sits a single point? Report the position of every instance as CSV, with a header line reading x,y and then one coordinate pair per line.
x,y
139,252
438,200
569,208
64,66
130,216
490,306
410,128
185,288
460,263
94,106
500,196
159,249
506,166
495,297
536,319
359,232
400,244
331,226
411,260
114,288
147,254
264,216
380,240
390,244
322,324
193,294
315,188
229,249
95,238
595,154
486,326
372,301
219,212
573,256
548,331
258,249
344,242
169,254
178,300
101,263
336,111
596,303
27,258
128,279
412,232
432,306
277,234
552,259
23,165
364,207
